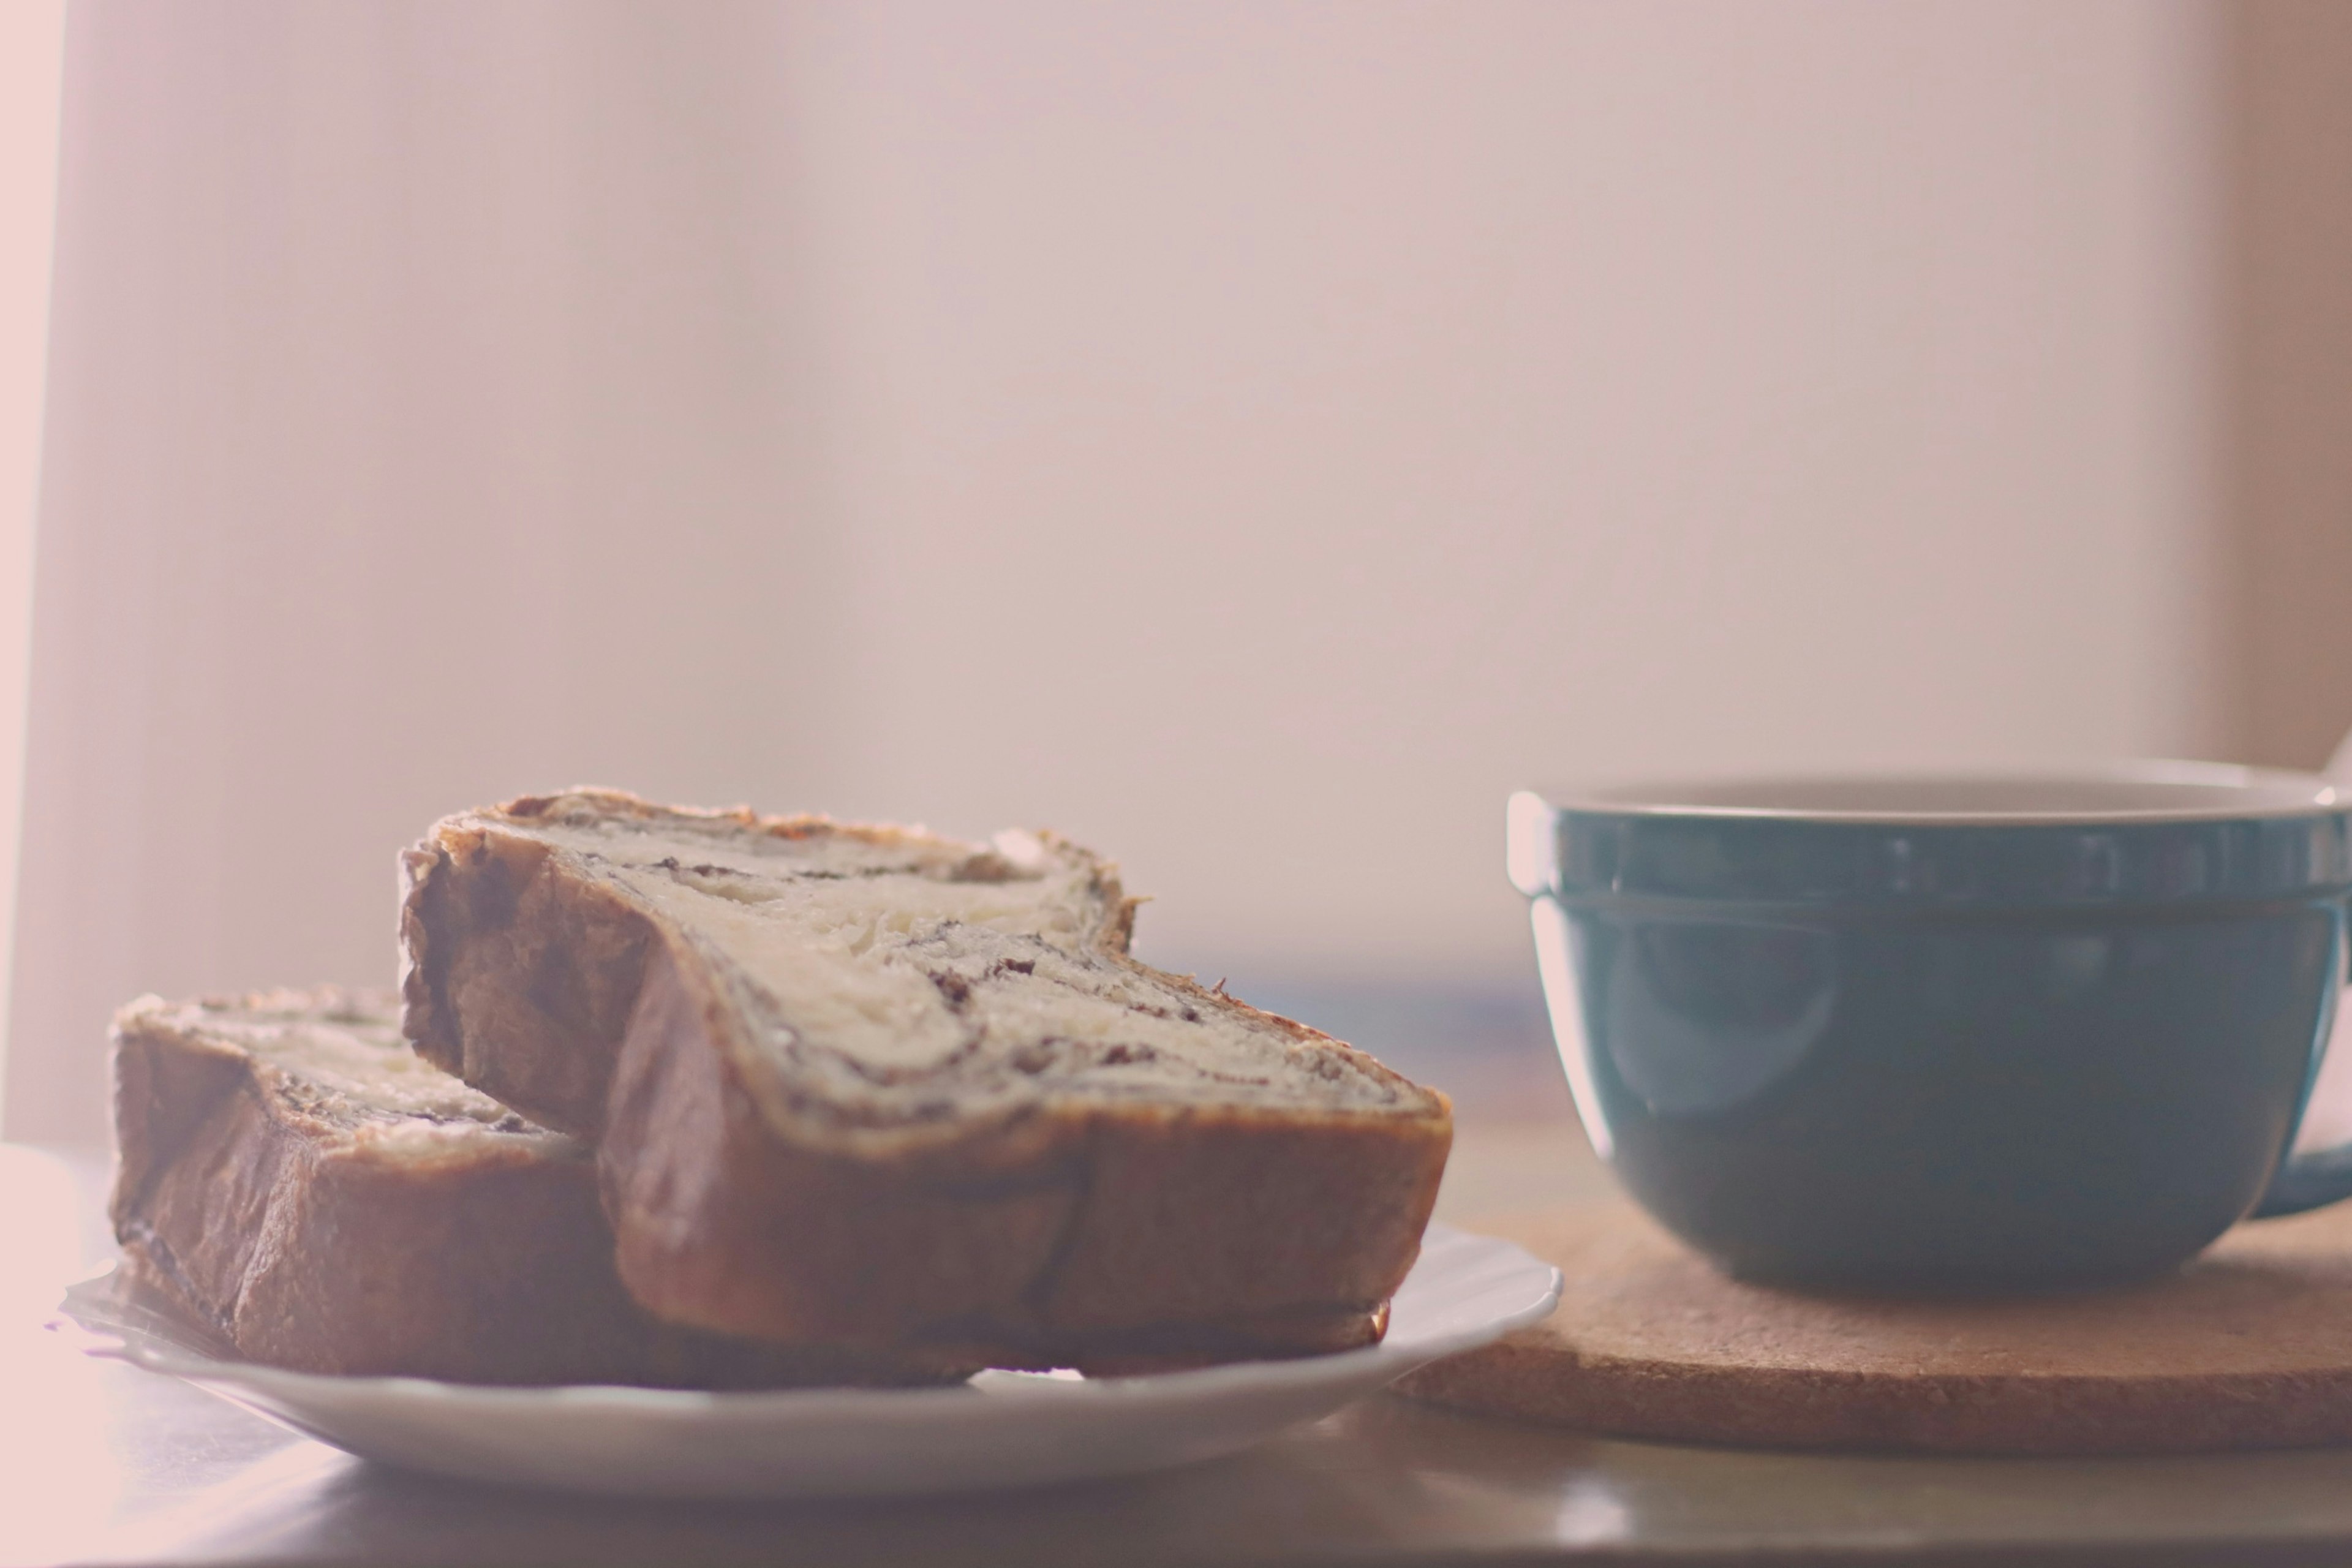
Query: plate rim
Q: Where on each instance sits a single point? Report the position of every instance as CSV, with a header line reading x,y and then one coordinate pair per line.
x,y
112,1340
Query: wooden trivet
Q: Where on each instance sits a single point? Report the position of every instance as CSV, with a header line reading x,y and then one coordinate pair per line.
x,y
2249,1347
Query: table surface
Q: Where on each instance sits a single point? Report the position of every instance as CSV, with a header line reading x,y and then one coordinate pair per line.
x,y
99,1462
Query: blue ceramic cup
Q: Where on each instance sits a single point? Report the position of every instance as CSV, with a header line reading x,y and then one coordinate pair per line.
x,y
1952,1033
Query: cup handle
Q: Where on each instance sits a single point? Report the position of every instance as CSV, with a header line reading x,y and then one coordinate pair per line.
x,y
2315,1177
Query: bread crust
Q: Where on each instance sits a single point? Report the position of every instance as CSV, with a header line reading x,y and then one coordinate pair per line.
x,y
515,978
1105,1236
306,1245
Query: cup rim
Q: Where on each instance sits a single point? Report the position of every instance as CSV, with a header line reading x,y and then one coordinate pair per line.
x,y
2141,791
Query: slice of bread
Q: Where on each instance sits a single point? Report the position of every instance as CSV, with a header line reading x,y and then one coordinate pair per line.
x,y
869,1086
295,1177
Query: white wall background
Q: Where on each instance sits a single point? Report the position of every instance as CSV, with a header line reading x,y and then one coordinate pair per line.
x,y
1252,437
32,48
1268,435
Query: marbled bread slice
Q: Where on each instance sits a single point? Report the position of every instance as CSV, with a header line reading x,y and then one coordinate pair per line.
x,y
296,1177
866,1085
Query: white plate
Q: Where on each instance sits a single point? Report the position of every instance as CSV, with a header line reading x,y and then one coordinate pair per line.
x,y
1002,1429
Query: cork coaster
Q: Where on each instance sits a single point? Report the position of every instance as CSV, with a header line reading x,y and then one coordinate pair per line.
x,y
2249,1347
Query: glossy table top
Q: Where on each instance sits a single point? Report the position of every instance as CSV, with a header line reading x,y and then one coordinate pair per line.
x,y
99,1462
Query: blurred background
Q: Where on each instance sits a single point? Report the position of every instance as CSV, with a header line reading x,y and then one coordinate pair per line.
x,y
1249,437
